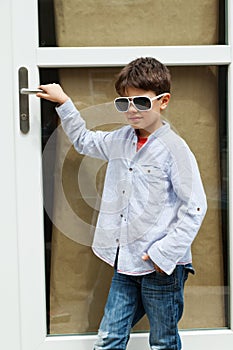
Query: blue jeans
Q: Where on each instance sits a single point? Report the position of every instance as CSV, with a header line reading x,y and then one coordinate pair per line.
x,y
158,295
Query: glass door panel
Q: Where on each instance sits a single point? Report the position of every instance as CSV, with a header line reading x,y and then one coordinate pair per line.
x,y
135,23
77,281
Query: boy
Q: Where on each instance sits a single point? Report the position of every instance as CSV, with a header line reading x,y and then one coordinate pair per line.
x,y
153,204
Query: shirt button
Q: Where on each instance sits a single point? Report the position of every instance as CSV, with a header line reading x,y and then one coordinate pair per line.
x,y
130,169
117,240
121,215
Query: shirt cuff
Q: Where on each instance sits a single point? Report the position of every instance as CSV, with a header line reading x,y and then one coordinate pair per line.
x,y
66,108
163,263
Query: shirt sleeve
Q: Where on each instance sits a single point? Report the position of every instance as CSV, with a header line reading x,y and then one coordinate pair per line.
x,y
191,207
95,144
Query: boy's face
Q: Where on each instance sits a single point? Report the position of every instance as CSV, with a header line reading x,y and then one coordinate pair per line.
x,y
147,121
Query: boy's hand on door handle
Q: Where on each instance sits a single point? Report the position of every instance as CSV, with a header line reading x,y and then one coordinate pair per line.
x,y
53,92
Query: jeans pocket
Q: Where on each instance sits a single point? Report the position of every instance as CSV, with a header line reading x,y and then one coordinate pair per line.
x,y
160,281
188,268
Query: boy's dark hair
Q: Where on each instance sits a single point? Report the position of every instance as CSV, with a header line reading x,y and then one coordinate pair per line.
x,y
144,73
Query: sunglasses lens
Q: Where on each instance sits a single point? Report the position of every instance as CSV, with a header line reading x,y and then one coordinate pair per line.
x,y
122,104
142,103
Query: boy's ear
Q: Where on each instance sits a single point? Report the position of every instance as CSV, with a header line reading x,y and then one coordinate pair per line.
x,y
164,101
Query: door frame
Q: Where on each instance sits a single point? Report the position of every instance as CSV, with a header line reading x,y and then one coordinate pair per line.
x,y
22,241
9,292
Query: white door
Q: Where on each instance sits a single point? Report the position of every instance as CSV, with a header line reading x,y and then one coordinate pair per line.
x,y
24,291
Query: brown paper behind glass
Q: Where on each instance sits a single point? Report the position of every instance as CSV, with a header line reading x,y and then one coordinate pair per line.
x,y
80,281
136,23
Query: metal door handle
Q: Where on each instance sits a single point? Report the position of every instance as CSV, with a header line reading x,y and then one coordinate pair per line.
x,y
23,101
24,91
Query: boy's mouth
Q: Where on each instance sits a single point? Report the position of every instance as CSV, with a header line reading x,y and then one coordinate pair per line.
x,y
134,119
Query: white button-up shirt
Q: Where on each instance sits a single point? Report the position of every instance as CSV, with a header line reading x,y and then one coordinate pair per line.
x,y
153,199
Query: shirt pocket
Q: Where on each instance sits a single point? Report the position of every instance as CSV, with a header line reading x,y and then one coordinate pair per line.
x,y
152,173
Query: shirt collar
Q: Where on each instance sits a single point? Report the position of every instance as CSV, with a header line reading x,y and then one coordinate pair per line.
x,y
160,131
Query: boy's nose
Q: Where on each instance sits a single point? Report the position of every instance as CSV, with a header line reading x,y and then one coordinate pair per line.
x,y
131,107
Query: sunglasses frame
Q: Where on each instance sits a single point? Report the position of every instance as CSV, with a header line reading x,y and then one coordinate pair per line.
x,y
131,100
